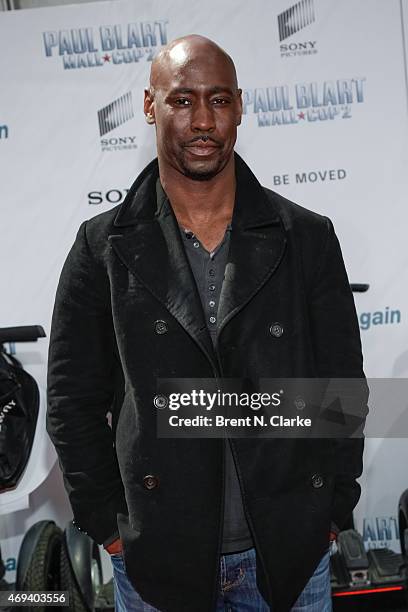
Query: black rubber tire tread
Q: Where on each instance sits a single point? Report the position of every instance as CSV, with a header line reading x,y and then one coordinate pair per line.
x,y
37,577
68,583
402,526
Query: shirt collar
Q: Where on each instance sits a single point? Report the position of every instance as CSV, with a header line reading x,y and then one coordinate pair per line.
x,y
163,205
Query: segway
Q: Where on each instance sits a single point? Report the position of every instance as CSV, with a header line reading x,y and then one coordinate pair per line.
x,y
81,573
38,562
19,406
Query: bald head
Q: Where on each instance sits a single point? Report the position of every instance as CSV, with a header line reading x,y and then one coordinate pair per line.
x,y
193,96
185,51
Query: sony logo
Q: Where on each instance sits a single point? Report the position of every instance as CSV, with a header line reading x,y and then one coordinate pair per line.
x,y
310,44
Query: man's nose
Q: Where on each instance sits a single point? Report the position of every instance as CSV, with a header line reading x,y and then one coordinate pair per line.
x,y
202,119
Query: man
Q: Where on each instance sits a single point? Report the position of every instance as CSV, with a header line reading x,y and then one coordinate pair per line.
x,y
201,273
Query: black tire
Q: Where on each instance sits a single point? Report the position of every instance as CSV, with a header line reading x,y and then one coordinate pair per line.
x,y
68,583
38,567
403,527
84,582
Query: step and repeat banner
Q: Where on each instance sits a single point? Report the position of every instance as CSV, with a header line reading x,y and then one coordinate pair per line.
x,y
325,124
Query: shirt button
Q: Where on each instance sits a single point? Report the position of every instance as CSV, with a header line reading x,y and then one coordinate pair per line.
x,y
276,330
213,320
211,272
211,303
196,245
211,287
150,481
160,326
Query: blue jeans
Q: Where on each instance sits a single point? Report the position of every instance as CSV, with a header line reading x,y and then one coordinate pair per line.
x,y
238,591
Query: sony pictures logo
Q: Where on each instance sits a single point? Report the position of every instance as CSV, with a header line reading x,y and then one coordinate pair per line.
x,y
111,117
291,21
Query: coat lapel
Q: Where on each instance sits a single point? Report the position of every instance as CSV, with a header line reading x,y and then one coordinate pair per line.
x,y
148,242
257,245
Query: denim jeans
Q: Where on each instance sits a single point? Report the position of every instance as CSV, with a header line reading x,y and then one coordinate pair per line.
x,y
237,589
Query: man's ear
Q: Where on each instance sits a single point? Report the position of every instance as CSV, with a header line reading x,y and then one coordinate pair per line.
x,y
239,106
148,106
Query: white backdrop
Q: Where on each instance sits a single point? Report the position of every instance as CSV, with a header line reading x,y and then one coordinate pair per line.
x,y
325,125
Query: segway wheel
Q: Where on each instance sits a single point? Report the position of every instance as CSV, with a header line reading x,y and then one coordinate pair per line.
x,y
83,586
68,583
38,564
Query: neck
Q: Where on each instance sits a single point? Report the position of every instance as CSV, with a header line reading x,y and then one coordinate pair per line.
x,y
197,203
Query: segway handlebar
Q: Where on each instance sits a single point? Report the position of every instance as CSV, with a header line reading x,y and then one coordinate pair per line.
x,y
21,333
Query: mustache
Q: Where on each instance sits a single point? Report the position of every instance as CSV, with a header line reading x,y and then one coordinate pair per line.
x,y
203,138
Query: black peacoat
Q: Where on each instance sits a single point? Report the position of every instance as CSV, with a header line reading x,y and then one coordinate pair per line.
x,y
127,270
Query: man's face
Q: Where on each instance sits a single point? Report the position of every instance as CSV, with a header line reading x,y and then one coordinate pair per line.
x,y
196,107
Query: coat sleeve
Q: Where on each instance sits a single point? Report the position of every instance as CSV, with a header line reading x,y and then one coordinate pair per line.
x,y
81,391
337,348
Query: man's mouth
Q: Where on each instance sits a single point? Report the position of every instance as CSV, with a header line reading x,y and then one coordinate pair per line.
x,y
202,146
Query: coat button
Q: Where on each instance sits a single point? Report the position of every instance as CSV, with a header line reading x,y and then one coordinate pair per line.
x,y
317,481
276,330
299,402
150,481
160,401
160,327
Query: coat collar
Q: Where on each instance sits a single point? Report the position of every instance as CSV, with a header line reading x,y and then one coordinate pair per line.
x,y
148,241
251,209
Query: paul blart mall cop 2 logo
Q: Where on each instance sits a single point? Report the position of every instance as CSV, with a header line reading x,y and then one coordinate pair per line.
x,y
93,47
304,102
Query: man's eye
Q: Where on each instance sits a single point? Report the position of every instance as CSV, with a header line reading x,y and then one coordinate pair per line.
x,y
182,101
220,101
